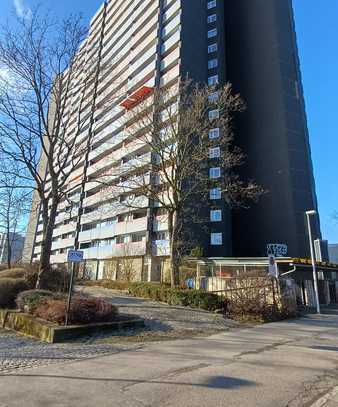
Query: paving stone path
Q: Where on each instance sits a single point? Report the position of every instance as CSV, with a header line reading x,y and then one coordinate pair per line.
x,y
162,322
161,317
18,353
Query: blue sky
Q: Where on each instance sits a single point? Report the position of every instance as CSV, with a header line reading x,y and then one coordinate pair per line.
x,y
317,30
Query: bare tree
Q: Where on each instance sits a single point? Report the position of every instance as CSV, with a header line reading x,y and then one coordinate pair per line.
x,y
126,269
181,132
47,76
14,206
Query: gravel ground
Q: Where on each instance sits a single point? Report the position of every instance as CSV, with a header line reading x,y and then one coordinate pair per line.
x,y
162,321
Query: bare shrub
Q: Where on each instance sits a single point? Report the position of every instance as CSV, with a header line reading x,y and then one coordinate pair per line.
x,y
28,300
82,311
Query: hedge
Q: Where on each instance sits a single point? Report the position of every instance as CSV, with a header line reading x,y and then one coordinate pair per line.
x,y
176,296
9,289
163,293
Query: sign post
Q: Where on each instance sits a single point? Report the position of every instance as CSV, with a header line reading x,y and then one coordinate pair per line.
x,y
273,268
74,256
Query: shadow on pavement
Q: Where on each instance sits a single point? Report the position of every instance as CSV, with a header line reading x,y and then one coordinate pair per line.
x,y
214,382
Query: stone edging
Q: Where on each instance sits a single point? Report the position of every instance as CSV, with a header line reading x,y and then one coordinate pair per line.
x,y
47,332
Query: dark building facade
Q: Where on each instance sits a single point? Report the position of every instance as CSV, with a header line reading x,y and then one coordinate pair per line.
x,y
263,65
254,43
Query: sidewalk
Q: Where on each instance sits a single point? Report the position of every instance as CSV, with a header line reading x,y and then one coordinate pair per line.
x,y
283,364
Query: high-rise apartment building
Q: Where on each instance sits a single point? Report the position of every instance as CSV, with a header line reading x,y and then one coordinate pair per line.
x,y
144,44
333,253
15,242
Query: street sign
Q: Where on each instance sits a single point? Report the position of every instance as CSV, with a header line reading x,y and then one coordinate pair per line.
x,y
273,269
75,256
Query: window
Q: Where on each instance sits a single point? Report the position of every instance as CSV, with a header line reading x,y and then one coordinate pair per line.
x,y
120,239
111,221
137,238
216,239
211,4
212,33
212,18
213,133
213,114
212,48
213,63
213,97
216,215
213,80
214,152
215,193
161,236
214,172
139,215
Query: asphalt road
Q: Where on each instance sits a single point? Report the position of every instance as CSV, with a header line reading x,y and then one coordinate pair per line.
x,y
283,364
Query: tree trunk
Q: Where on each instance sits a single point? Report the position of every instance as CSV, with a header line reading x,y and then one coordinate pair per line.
x,y
8,226
49,223
9,251
174,254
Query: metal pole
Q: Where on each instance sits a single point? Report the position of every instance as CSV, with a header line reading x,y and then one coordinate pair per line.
x,y
315,282
70,293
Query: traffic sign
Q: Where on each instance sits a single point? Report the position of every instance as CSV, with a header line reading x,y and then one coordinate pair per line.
x,y
75,256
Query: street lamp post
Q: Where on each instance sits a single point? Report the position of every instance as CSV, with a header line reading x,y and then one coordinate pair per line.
x,y
315,280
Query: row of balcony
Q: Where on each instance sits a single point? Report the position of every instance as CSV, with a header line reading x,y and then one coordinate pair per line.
x,y
159,248
121,228
137,225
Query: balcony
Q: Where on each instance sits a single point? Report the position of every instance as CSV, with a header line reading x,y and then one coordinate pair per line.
x,y
100,197
160,223
171,11
133,226
116,250
111,210
64,229
113,141
136,97
161,248
63,243
121,228
98,233
67,215
110,157
58,258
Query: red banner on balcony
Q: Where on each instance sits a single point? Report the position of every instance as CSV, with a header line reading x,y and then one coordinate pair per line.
x,y
136,97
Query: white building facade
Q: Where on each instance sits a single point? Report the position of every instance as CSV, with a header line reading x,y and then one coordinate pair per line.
x,y
135,45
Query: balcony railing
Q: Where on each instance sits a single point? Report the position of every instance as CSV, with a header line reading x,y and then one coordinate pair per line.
x,y
161,248
116,250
